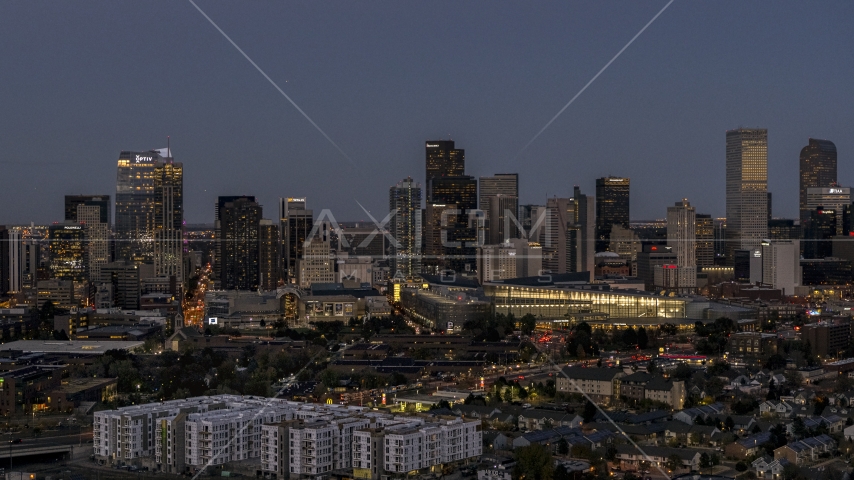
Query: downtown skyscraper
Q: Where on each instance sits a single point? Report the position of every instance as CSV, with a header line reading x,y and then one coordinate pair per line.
x,y
612,208
238,264
682,239
817,170
569,238
443,160
498,199
404,199
296,222
451,221
149,208
746,189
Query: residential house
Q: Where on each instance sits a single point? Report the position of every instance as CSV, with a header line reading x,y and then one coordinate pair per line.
x,y
537,419
630,457
742,423
747,446
768,468
833,423
805,451
774,408
690,415
692,435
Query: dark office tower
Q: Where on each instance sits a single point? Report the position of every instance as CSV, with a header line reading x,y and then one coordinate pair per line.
x,y
499,201
149,199
100,201
269,255
705,238
720,243
500,214
68,252
746,188
818,237
239,243
443,160
5,257
783,229
847,226
457,224
612,208
297,222
405,227
817,170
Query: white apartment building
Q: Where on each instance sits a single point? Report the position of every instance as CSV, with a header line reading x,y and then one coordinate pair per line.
x,y
188,433
288,439
414,444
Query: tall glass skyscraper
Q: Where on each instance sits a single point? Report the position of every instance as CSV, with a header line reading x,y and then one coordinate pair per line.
x,y
817,170
612,208
404,199
149,208
746,188
296,223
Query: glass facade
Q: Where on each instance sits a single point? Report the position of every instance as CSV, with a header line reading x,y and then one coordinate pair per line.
x,y
746,188
149,199
555,303
817,170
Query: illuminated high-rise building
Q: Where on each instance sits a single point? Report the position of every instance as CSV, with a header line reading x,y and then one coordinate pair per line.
x,y
297,223
454,233
169,220
831,198
817,170
746,188
149,208
404,199
612,208
443,160
269,254
97,238
682,239
68,252
704,233
238,264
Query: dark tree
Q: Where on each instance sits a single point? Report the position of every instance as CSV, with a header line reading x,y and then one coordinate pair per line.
x,y
643,339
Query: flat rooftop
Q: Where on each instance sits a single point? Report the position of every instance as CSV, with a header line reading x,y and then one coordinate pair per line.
x,y
81,347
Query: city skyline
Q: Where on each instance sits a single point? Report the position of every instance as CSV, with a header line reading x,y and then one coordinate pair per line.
x,y
264,138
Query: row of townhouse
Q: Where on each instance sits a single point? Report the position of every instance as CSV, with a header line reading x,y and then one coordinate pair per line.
x,y
805,451
630,457
604,384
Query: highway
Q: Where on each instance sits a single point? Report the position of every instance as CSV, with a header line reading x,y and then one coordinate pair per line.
x,y
39,445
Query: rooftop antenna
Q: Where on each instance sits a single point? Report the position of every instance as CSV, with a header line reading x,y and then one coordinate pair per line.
x,y
168,149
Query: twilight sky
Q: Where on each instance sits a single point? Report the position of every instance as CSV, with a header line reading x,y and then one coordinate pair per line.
x,y
81,81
